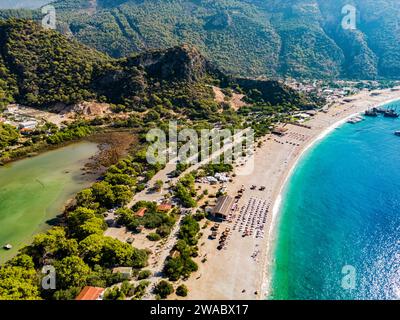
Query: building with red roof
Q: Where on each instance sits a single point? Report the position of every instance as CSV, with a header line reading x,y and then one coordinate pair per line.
x,y
141,212
90,293
164,207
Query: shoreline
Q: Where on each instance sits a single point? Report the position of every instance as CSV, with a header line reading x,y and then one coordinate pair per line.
x,y
48,192
274,163
39,150
278,201
90,169
44,148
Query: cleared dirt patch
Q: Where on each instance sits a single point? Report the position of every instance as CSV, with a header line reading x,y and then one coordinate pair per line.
x,y
235,101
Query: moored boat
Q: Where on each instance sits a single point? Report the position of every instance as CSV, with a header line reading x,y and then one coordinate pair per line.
x,y
378,110
355,120
391,114
8,246
371,113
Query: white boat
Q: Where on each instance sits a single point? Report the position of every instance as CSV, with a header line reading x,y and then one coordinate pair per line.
x,y
355,120
8,246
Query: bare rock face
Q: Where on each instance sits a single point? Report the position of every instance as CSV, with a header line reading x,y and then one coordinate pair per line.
x,y
92,109
182,63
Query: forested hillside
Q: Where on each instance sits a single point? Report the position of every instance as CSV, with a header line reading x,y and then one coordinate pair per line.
x,y
13,4
43,68
300,38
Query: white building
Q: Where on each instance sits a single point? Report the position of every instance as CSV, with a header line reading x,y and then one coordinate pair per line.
x,y
222,177
28,125
126,272
211,180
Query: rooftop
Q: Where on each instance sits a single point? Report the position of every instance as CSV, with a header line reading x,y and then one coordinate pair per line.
x,y
90,293
281,131
141,212
164,207
223,206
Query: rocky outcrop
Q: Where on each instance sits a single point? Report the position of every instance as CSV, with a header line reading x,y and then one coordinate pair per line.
x,y
181,63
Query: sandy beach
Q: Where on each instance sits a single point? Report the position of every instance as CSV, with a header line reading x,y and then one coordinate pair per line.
x,y
242,269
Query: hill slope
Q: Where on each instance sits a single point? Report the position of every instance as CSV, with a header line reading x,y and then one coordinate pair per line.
x,y
46,66
301,38
12,4
43,68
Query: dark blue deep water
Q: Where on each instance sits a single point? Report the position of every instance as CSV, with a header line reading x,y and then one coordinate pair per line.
x,y
342,208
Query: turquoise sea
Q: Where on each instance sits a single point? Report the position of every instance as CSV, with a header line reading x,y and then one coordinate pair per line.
x,y
341,208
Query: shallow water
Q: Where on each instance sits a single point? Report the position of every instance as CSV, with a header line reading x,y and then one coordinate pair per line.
x,y
34,191
342,208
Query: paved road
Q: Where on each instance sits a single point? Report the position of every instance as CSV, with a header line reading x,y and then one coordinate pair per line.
x,y
157,261
158,258
162,175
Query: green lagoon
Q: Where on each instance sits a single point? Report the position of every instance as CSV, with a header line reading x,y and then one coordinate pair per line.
x,y
34,191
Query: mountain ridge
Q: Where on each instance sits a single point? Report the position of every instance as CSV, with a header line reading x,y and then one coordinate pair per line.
x,y
43,68
295,38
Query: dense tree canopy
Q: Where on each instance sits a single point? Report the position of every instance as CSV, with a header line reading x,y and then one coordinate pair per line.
x,y
78,249
299,38
19,280
8,135
184,191
43,68
71,272
18,283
